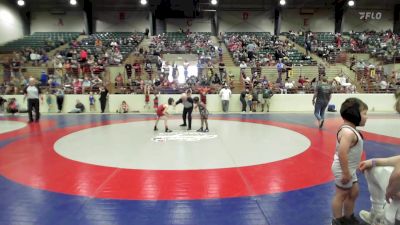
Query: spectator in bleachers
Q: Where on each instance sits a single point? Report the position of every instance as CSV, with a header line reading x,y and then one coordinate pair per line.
x,y
97,70
2,103
372,71
7,70
307,43
116,57
34,57
149,69
243,67
86,85
321,70
301,81
280,68
77,86
128,70
83,55
43,58
91,60
222,70
216,80
98,43
352,62
289,85
383,85
14,85
16,67
344,82
44,78
119,81
251,48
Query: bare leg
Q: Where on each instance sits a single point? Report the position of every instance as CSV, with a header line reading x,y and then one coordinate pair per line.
x,y
349,202
337,202
165,118
155,125
206,122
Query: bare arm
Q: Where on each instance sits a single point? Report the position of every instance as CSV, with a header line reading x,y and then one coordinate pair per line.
x,y
391,161
315,96
165,111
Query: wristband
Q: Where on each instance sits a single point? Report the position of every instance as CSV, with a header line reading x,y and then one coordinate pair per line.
x,y
373,162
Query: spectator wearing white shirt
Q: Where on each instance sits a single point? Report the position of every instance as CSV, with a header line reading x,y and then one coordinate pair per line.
x,y
242,66
289,84
225,95
33,93
383,84
343,82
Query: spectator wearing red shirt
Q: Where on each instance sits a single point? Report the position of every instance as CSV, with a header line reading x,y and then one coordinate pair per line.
x,y
301,81
83,55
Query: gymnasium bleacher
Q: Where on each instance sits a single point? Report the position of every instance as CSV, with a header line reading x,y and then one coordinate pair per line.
x,y
136,50
39,40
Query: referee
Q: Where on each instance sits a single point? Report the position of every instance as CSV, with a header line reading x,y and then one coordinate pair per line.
x,y
32,92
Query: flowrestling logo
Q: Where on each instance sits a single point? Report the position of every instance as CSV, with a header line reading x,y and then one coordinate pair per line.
x,y
370,15
189,136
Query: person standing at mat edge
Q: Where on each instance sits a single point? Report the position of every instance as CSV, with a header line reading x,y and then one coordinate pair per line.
x,y
322,96
103,98
32,93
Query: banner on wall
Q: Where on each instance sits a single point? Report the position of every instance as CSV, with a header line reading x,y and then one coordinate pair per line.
x,y
305,22
245,15
121,16
370,15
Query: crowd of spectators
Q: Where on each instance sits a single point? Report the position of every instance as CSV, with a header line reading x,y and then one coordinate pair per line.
x,y
261,48
81,67
374,78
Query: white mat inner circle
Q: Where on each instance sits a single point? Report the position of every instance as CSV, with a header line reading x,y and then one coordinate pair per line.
x,y
228,144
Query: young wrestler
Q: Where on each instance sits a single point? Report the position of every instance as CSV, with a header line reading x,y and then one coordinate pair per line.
x,y
203,114
163,114
349,147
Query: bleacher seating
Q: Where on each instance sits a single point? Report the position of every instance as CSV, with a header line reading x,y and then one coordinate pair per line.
x,y
180,42
264,41
39,40
127,41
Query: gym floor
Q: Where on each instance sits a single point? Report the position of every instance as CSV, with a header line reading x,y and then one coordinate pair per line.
x,y
250,169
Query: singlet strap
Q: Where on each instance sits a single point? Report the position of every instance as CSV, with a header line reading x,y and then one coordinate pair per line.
x,y
356,132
